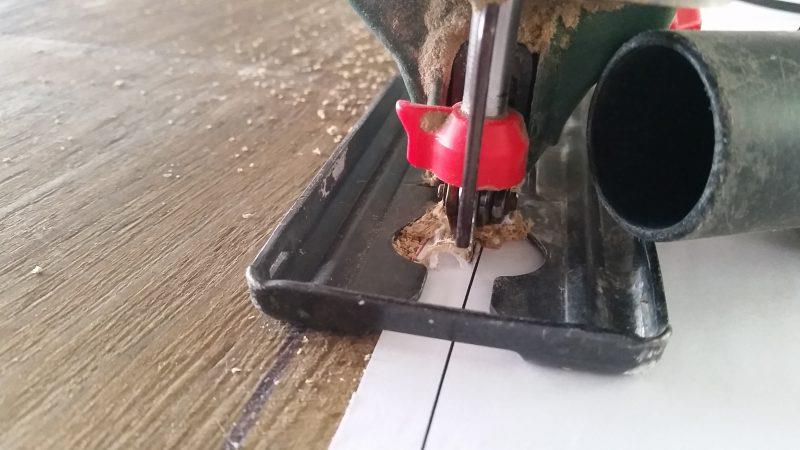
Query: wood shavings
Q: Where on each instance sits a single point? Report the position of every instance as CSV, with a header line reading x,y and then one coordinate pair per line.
x,y
37,270
425,239
316,151
235,370
422,240
513,228
247,215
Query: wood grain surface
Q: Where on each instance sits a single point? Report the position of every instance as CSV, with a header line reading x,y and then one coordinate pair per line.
x,y
147,149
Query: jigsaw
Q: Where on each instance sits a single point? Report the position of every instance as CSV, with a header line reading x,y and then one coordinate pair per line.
x,y
591,128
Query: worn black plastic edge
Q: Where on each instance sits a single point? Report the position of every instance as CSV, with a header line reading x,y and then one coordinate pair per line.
x,y
570,345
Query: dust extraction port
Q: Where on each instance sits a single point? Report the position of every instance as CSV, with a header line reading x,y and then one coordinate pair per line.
x,y
694,134
651,138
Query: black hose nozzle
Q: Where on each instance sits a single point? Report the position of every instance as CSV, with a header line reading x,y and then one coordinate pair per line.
x,y
695,134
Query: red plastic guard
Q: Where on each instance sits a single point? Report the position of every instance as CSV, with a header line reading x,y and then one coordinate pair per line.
x,y
686,19
437,138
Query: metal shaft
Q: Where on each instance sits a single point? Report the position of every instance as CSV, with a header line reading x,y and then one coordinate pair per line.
x,y
504,46
476,85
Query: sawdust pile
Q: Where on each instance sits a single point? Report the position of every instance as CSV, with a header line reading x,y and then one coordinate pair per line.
x,y
426,238
447,22
513,228
540,19
429,230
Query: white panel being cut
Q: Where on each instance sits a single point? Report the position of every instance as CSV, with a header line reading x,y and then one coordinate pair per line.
x,y
394,401
515,258
728,378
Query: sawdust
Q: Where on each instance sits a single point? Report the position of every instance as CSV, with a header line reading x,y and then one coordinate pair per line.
x,y
433,120
513,228
448,21
429,178
411,238
426,238
448,27
540,19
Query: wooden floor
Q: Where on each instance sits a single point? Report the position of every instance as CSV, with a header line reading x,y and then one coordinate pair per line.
x,y
147,149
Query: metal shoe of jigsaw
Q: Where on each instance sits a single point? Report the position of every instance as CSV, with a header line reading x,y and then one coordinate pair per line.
x,y
681,140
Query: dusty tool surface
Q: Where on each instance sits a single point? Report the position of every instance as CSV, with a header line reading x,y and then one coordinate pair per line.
x,y
147,150
596,304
